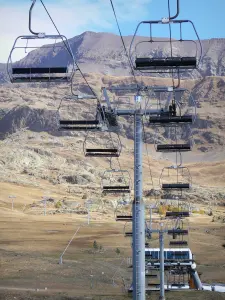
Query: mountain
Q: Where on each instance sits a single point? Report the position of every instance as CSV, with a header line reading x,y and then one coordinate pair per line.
x,y
103,53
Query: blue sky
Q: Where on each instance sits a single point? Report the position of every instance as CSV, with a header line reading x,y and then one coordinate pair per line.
x,y
76,16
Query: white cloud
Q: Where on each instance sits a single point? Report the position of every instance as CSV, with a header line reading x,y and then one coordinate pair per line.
x,y
72,17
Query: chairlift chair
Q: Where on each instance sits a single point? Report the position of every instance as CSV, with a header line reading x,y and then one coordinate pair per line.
x,y
145,61
102,145
173,139
67,122
178,229
25,72
175,178
121,213
116,182
176,107
127,229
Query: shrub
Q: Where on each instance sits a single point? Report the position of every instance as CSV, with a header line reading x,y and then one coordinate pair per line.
x,y
117,251
162,209
58,204
95,245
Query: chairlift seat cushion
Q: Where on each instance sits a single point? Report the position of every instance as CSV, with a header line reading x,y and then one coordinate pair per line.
x,y
178,243
177,214
124,218
102,150
178,231
170,119
173,148
39,79
175,186
147,63
128,233
27,71
122,187
80,122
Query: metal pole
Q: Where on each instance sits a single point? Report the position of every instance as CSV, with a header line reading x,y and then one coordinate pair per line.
x,y
150,224
12,197
88,207
138,215
161,242
45,206
60,259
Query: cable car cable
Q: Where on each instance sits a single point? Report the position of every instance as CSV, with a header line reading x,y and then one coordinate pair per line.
x,y
171,47
125,49
94,94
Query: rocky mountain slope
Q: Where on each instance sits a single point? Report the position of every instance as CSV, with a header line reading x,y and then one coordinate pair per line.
x,y
36,108
35,152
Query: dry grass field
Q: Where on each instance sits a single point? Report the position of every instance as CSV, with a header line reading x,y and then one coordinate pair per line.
x,y
30,247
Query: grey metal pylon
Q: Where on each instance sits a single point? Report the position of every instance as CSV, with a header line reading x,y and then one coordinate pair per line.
x,y
162,279
138,209
138,215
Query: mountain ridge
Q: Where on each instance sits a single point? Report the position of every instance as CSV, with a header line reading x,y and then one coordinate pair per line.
x,y
103,53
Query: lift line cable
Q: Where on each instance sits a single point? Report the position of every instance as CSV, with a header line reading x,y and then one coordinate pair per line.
x,y
78,66
94,94
171,46
125,49
150,170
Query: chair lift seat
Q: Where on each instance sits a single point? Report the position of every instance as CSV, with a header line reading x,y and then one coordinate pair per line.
x,y
27,71
178,243
166,186
102,152
177,214
146,63
151,275
75,125
121,187
38,79
80,122
124,218
128,234
162,119
178,231
116,189
49,74
173,148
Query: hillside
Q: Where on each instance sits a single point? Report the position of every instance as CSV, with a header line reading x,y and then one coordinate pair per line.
x,y
34,150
